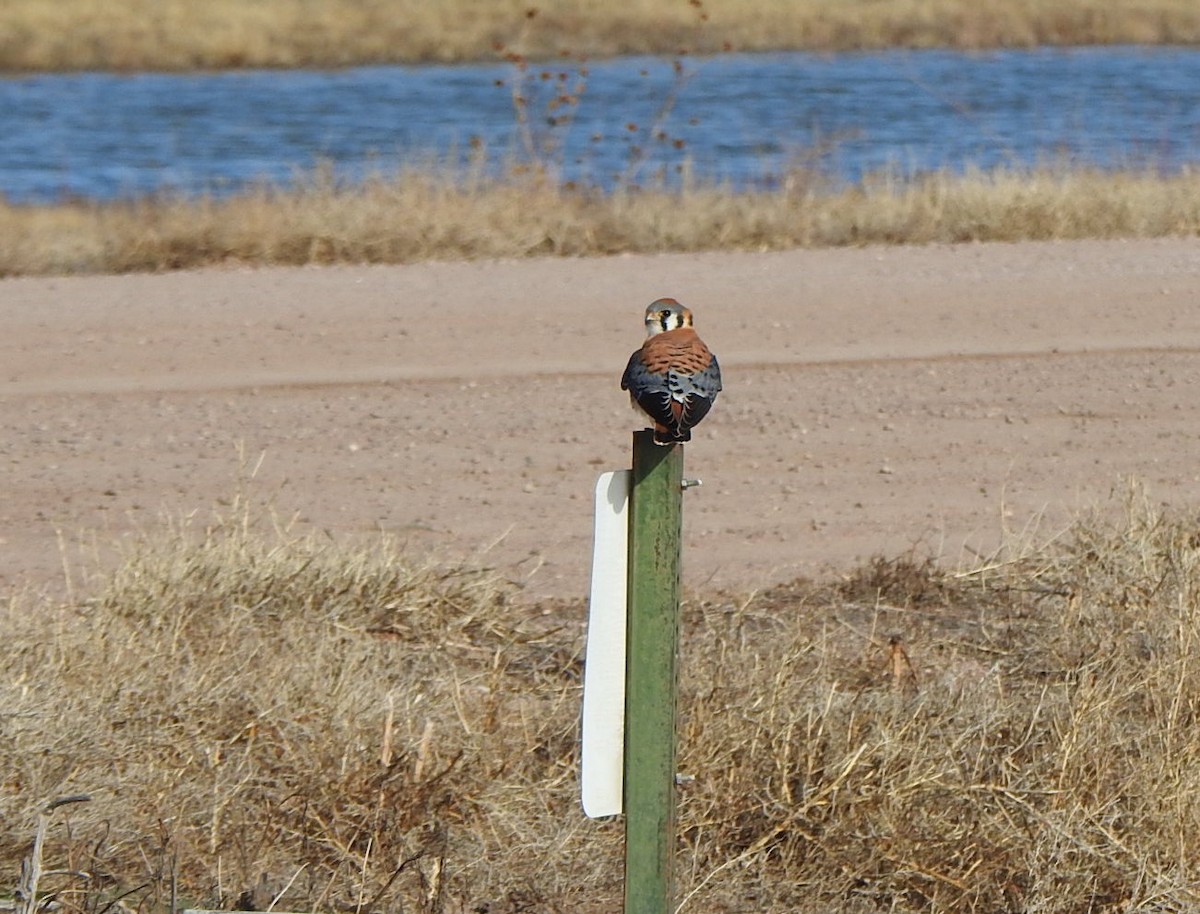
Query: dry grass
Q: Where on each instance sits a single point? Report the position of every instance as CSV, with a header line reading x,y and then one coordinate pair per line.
x,y
262,717
435,215
183,35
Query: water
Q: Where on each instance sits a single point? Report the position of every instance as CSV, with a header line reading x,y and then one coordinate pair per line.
x,y
741,118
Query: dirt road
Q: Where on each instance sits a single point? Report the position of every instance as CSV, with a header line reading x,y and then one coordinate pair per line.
x,y
875,399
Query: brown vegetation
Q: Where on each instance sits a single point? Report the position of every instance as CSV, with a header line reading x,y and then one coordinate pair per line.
x,y
182,35
272,720
430,215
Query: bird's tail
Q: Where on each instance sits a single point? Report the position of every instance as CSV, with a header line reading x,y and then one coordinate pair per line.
x,y
666,436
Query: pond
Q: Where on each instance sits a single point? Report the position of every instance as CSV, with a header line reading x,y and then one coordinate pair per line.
x,y
742,118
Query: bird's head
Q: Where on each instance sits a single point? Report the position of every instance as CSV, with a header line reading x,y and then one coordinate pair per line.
x,y
666,314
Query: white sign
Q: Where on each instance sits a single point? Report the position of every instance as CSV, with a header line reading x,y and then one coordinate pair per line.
x,y
603,753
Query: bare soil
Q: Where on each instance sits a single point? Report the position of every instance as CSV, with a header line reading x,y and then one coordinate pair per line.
x,y
945,399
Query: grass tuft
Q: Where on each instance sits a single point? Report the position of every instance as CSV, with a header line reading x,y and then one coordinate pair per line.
x,y
261,719
254,715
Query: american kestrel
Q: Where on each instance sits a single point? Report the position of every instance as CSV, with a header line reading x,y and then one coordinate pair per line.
x,y
673,378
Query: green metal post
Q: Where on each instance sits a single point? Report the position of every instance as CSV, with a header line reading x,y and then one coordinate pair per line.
x,y
655,522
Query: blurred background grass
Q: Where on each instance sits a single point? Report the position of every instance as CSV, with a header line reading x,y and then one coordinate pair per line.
x,y
184,35
450,215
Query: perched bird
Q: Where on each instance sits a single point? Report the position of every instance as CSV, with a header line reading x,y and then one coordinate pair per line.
x,y
673,378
